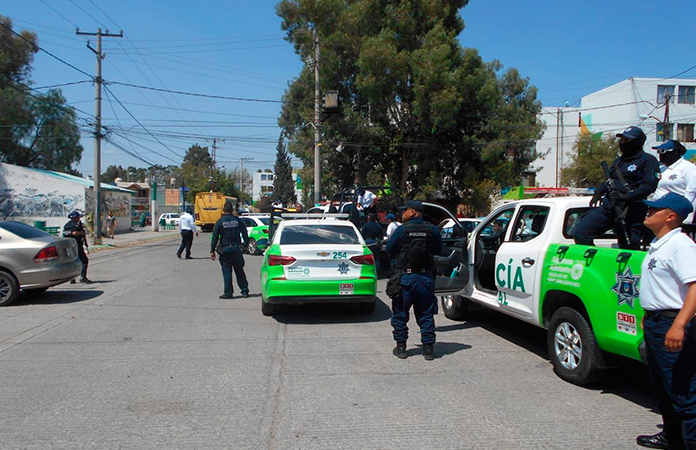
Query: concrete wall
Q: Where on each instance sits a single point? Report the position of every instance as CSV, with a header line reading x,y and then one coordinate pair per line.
x,y
27,195
118,202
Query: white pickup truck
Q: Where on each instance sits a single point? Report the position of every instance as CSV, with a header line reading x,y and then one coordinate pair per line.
x,y
521,261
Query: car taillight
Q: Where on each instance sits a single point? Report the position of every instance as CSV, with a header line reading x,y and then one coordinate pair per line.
x,y
46,254
277,260
264,230
368,260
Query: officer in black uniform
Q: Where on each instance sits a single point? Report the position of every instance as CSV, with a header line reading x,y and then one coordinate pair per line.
x,y
232,235
75,229
414,245
641,172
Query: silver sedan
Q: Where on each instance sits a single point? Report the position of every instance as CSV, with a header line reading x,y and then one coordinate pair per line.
x,y
32,260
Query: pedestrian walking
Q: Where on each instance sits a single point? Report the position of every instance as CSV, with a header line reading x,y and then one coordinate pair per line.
x,y
75,229
668,296
187,225
641,172
228,240
110,224
414,245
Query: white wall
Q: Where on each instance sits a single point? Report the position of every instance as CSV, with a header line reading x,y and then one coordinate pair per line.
x,y
561,133
27,195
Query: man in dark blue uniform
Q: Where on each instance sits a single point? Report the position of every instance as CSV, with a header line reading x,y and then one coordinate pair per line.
x,y
76,230
232,235
372,231
414,245
641,172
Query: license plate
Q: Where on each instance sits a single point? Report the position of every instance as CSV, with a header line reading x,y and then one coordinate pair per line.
x,y
345,289
70,252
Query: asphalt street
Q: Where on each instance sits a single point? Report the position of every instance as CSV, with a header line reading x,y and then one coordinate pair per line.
x,y
149,358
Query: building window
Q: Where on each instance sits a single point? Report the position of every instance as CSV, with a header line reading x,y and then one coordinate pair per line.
x,y
663,91
686,94
270,177
263,177
661,130
685,132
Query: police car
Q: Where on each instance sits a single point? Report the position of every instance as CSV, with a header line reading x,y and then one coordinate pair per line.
x,y
317,261
257,231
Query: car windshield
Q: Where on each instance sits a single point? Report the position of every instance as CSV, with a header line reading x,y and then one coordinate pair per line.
x,y
22,230
319,234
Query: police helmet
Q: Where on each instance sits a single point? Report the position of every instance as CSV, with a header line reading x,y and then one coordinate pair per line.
x,y
74,214
633,133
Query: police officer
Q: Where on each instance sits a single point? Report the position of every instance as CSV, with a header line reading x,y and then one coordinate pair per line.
x,y
668,296
75,229
677,175
232,235
414,245
641,173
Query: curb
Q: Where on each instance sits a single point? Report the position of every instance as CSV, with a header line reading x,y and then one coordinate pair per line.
x,y
96,248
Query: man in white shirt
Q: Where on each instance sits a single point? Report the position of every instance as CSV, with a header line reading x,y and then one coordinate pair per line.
x,y
393,224
676,174
187,225
668,296
366,200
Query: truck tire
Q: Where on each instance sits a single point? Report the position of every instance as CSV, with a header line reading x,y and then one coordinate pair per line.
x,y
267,309
9,289
455,307
572,347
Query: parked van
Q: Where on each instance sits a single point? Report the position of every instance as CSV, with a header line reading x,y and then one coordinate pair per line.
x,y
208,208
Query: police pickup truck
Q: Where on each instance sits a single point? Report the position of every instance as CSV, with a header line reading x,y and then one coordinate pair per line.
x,y
521,261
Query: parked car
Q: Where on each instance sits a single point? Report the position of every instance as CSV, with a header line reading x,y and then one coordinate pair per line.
x,y
257,230
317,261
32,260
448,230
169,219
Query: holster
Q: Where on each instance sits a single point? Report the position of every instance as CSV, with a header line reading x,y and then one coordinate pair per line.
x,y
393,289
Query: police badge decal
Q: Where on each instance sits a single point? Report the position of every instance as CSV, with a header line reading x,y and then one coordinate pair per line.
x,y
626,287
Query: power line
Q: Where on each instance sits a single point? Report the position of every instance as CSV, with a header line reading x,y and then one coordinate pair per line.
x,y
50,86
61,15
220,97
91,16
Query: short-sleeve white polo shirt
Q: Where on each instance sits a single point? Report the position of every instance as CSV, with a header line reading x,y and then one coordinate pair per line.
x,y
667,268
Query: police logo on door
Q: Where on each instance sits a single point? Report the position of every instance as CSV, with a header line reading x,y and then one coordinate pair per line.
x,y
626,287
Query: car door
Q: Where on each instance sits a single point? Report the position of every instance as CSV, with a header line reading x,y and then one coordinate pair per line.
x,y
519,260
451,263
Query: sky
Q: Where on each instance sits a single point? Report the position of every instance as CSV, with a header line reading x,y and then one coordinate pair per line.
x,y
235,49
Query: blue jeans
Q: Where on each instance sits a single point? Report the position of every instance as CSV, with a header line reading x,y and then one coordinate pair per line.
x,y
419,291
673,376
233,260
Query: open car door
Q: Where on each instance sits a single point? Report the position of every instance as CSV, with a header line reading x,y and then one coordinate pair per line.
x,y
452,262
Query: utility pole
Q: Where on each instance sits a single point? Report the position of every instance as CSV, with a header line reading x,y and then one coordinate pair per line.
x,y
97,128
241,177
558,129
666,126
317,120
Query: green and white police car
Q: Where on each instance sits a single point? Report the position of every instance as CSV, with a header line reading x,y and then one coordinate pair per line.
x,y
317,261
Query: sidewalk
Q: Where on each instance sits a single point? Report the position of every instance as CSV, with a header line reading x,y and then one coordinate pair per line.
x,y
133,237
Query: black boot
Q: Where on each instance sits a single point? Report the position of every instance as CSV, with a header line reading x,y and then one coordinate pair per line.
x,y
658,440
428,352
400,350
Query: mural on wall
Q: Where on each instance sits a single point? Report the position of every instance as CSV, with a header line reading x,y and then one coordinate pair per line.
x,y
119,203
30,202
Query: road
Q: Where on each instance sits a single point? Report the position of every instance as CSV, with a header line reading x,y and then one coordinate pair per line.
x,y
150,358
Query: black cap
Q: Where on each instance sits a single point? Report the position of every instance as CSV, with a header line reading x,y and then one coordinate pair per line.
x,y
413,204
631,133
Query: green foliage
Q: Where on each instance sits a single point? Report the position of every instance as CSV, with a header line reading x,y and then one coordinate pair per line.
x,y
264,204
589,151
417,109
35,130
283,186
198,156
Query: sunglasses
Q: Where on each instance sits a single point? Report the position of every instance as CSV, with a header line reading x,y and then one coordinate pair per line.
x,y
662,151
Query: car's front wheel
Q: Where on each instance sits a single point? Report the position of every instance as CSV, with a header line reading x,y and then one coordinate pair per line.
x,y
573,347
9,289
455,307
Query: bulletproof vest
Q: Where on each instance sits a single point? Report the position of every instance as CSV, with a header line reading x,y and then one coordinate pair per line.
x,y
416,251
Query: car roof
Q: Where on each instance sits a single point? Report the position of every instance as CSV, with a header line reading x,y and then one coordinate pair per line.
x,y
326,221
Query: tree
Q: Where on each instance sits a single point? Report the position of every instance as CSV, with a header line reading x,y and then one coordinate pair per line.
x,y
589,151
198,156
283,186
37,130
418,110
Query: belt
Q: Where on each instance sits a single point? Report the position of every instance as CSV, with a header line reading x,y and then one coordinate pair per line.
x,y
663,313
418,271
